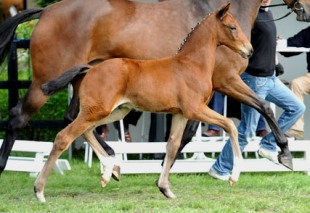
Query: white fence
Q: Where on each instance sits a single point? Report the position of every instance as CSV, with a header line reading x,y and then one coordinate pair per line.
x,y
199,162
38,151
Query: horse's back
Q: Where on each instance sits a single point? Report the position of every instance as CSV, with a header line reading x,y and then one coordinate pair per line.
x,y
63,35
146,31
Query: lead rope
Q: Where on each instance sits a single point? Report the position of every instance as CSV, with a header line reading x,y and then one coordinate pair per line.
x,y
276,5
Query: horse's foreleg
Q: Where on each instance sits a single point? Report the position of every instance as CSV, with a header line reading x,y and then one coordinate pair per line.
x,y
62,141
177,128
19,118
239,91
205,114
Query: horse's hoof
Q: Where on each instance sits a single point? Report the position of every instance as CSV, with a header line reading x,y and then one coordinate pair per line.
x,y
167,192
39,195
104,182
116,173
232,182
286,160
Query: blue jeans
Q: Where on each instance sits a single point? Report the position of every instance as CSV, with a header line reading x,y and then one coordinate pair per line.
x,y
273,90
217,104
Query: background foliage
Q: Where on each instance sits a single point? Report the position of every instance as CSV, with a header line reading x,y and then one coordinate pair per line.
x,y
44,3
54,109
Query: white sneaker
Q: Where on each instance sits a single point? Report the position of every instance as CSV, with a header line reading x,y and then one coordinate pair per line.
x,y
218,176
270,155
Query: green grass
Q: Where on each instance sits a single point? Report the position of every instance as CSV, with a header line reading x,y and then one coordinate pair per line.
x,y
79,191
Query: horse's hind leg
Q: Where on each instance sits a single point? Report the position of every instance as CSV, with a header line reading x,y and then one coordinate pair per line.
x,y
73,111
19,117
62,141
177,128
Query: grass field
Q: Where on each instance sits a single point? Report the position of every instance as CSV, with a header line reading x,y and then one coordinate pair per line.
x,y
79,191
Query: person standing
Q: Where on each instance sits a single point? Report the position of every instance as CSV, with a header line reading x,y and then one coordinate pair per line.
x,y
300,85
260,77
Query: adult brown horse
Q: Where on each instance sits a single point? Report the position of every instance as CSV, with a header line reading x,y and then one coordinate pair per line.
x,y
6,4
181,85
95,30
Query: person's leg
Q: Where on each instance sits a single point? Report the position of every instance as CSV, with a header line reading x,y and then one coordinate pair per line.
x,y
261,124
132,118
300,87
157,132
293,108
102,131
246,129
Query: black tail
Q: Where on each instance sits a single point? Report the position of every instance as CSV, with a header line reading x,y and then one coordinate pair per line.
x,y
7,28
63,80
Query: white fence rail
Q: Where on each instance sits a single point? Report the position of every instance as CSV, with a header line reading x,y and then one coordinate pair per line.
x,y
202,163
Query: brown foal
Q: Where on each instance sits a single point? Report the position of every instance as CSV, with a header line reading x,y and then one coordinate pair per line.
x,y
96,30
181,85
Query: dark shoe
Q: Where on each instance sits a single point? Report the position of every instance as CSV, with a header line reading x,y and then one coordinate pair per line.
x,y
261,133
211,133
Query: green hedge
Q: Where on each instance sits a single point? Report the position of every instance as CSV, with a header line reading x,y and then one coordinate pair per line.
x,y
44,3
55,107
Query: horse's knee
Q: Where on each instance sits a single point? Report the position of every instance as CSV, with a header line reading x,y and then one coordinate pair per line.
x,y
17,122
61,142
231,127
15,110
267,109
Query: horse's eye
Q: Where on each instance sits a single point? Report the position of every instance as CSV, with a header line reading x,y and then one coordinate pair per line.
x,y
231,27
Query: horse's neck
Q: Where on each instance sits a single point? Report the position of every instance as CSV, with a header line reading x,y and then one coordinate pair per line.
x,y
200,47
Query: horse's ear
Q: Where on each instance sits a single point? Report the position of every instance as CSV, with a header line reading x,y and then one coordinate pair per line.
x,y
223,11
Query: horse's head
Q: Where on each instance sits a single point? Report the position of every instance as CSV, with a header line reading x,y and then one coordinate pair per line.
x,y
301,8
230,33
